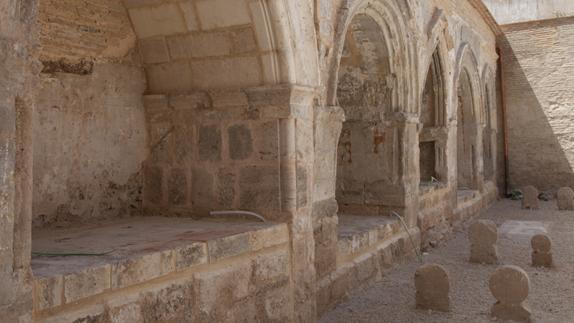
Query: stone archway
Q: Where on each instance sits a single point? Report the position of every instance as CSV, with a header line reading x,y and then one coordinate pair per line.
x,y
364,92
432,136
466,135
469,174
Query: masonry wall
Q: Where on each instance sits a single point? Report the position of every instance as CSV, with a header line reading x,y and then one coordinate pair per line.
x,y
538,77
511,11
16,68
90,135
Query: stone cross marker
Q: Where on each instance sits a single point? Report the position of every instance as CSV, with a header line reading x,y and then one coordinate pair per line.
x,y
565,199
483,235
510,286
530,198
432,285
541,251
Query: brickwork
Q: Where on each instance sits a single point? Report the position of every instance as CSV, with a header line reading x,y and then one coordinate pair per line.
x,y
540,104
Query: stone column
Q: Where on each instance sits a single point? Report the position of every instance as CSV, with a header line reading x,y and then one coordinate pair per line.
x,y
405,170
293,107
328,125
15,163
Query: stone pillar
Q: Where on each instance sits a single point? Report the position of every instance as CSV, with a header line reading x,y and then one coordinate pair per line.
x,y
328,125
15,162
293,106
405,161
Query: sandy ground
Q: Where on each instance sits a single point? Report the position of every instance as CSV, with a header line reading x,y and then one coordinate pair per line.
x,y
551,296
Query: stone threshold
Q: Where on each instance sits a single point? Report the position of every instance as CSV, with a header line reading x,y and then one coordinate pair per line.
x,y
136,250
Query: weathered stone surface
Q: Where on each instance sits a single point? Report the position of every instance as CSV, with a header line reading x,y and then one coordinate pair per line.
x,y
433,287
153,185
202,190
565,199
154,50
89,282
49,291
177,187
530,198
240,142
510,286
483,235
190,255
541,251
173,303
259,187
228,246
209,143
139,269
217,290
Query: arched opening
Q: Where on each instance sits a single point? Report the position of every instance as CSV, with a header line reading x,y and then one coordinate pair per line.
x,y
364,93
466,134
432,141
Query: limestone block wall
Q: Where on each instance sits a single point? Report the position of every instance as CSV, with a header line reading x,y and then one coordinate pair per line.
x,y
90,141
200,282
90,132
538,77
220,150
203,44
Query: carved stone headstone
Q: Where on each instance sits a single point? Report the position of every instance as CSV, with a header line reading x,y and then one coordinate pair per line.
x,y
510,286
565,199
432,285
541,251
530,198
483,235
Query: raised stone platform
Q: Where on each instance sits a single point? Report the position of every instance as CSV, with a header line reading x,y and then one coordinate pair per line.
x,y
357,233
137,251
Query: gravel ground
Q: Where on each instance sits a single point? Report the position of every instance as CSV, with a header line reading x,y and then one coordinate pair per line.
x,y
551,296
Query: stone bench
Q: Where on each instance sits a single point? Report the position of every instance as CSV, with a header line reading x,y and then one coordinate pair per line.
x,y
143,249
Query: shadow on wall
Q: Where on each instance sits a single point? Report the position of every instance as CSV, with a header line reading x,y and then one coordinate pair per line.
x,y
536,156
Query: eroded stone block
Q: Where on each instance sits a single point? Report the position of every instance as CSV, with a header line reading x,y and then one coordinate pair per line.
x,y
153,185
154,50
48,292
541,251
140,269
228,246
565,199
433,287
190,255
510,286
259,187
240,142
530,198
151,21
88,282
483,235
209,143
177,187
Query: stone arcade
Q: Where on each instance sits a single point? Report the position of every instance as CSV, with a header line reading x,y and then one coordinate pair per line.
x,y
125,123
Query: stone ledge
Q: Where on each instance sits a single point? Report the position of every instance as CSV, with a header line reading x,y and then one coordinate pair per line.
x,y
365,268
358,233
137,250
